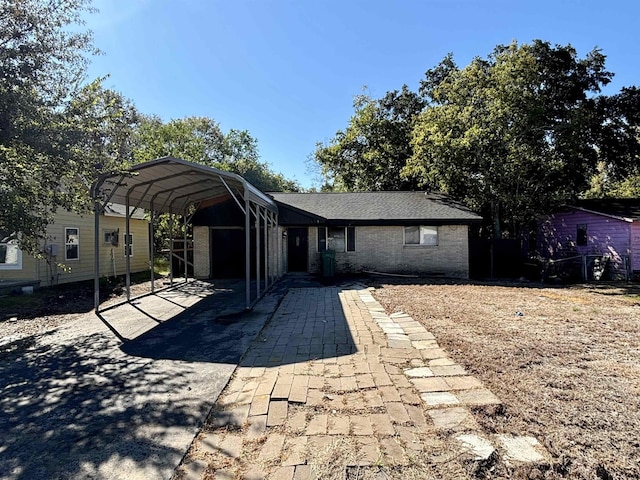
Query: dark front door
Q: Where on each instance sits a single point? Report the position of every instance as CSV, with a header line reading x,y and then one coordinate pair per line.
x,y
298,248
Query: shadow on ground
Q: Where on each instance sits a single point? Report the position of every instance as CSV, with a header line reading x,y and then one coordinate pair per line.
x,y
83,402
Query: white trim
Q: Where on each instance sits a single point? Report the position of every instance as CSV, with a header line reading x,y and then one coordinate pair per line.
x,y
130,245
18,264
623,219
66,244
420,244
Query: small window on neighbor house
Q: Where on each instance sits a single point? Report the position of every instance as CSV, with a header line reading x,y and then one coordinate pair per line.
x,y
71,243
110,237
581,235
10,255
421,235
128,245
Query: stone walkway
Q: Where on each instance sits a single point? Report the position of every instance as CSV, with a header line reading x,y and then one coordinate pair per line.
x,y
333,387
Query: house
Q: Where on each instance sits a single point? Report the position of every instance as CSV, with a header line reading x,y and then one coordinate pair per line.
x,y
605,233
68,250
389,232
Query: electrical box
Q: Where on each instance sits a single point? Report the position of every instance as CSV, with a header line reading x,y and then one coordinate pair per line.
x,y
51,249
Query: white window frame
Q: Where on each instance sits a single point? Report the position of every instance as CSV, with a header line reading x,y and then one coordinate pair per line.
x,y
128,243
421,244
18,264
67,244
346,240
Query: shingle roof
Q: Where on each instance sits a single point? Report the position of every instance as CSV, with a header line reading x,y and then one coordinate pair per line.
x,y
623,208
378,207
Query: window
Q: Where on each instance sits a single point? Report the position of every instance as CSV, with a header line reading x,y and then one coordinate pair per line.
x,y
10,253
110,237
339,239
128,245
581,235
71,243
421,235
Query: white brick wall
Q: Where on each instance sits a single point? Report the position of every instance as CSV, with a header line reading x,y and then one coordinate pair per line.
x,y
201,251
381,249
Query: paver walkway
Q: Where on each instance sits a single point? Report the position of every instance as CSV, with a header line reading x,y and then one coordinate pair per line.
x,y
334,386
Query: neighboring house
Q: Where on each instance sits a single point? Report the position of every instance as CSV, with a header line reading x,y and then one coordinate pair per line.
x,y
68,249
389,232
604,232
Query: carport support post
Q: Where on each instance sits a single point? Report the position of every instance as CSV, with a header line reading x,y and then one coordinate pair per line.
x,y
96,254
151,252
184,244
247,251
127,245
266,249
257,251
170,246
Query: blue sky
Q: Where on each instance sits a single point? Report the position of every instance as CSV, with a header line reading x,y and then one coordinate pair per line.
x,y
287,71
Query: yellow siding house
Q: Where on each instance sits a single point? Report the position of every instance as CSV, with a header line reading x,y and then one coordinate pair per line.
x,y
68,249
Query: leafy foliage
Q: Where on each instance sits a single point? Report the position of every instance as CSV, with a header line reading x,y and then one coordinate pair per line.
x,y
512,135
374,148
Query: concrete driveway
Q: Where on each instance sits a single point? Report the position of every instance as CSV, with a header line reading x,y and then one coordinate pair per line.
x,y
122,396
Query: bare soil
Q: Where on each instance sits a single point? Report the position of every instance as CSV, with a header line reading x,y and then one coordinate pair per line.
x,y
564,361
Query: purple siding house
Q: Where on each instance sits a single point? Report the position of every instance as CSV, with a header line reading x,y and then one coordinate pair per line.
x,y
601,230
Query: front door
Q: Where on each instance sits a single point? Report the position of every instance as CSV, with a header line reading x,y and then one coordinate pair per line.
x,y
298,249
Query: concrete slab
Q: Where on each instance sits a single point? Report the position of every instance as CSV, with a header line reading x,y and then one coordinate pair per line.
x,y
419,372
122,395
436,399
522,449
477,447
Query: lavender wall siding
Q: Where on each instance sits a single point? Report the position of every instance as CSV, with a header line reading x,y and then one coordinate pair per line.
x,y
635,246
605,235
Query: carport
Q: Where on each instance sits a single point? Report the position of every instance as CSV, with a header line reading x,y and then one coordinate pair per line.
x,y
176,187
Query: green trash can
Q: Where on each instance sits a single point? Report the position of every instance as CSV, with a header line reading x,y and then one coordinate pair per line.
x,y
328,263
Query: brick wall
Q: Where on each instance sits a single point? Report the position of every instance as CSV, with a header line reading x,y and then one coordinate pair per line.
x,y
381,249
201,250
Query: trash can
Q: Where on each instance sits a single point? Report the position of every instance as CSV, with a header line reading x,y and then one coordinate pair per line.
x,y
328,263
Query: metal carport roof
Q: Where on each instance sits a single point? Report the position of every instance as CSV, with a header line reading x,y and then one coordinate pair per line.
x,y
172,185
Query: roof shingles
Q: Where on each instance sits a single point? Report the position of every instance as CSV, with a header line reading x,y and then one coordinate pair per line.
x,y
378,206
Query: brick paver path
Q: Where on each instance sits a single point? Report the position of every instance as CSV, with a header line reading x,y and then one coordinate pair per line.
x,y
333,383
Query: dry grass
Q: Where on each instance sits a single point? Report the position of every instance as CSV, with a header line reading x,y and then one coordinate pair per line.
x,y
565,362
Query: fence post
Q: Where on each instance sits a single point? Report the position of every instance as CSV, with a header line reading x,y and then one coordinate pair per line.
x,y
584,268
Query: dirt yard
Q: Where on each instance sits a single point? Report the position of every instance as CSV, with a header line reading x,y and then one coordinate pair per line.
x,y
564,361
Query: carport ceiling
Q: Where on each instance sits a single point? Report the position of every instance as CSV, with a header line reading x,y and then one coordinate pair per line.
x,y
171,184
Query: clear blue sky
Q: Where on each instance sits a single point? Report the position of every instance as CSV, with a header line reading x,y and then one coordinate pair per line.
x,y
287,70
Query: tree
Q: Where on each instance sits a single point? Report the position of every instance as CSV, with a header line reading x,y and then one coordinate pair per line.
x,y
43,64
514,134
371,153
200,140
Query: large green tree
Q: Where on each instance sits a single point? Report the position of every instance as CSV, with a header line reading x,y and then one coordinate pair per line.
x,y
374,148
200,140
43,63
513,134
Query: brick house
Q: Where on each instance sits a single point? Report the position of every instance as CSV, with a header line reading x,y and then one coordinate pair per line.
x,y
390,232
